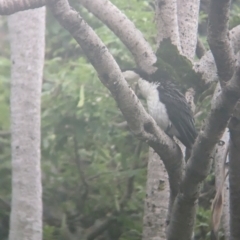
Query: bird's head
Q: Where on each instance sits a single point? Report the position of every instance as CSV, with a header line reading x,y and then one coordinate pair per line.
x,y
132,78
138,78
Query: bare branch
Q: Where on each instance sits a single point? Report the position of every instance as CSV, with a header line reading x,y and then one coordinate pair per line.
x,y
140,123
206,66
218,39
157,199
110,15
27,38
218,201
167,22
199,163
188,25
8,7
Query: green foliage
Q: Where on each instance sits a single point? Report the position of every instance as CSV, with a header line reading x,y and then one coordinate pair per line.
x,y
202,230
87,161
235,15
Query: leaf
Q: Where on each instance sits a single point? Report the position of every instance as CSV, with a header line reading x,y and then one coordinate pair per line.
x,y
81,97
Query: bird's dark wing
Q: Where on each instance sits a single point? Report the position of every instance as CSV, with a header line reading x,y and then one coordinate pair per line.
x,y
179,113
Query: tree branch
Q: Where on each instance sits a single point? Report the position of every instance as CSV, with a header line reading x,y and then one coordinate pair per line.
x,y
206,66
8,7
218,39
133,39
167,22
139,122
188,25
199,163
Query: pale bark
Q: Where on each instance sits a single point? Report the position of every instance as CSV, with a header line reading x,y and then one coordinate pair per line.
x,y
234,35
226,211
167,27
9,7
167,22
218,39
156,202
27,32
218,158
206,65
118,22
219,155
187,13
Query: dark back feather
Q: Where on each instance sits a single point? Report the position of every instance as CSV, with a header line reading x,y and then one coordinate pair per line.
x,y
179,112
178,109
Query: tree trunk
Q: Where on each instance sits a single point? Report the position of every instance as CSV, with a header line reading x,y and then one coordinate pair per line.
x,y
27,32
156,202
219,161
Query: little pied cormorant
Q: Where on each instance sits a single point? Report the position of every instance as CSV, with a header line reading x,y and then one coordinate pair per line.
x,y
167,105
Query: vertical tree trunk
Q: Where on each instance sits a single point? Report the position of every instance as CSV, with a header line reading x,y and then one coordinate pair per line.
x,y
188,25
27,30
157,198
219,159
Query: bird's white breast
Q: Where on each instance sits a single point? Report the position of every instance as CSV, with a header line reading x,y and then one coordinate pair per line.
x,y
155,107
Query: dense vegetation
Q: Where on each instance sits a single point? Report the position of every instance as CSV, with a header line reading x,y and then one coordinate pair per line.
x,y
93,169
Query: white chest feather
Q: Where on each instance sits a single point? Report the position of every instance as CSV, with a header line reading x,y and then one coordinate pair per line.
x,y
156,108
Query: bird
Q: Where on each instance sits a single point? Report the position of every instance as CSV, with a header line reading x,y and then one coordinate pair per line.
x,y
166,104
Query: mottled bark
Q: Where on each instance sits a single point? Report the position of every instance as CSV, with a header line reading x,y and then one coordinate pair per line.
x,y
187,14
156,203
218,39
219,155
8,7
206,65
167,22
27,32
